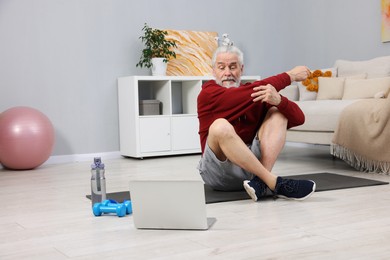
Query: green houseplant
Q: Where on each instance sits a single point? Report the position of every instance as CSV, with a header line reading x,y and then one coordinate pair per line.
x,y
156,46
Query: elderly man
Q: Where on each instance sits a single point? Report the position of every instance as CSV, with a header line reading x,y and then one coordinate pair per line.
x,y
243,129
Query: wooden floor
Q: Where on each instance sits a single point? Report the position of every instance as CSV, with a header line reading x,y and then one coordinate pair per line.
x,y
45,215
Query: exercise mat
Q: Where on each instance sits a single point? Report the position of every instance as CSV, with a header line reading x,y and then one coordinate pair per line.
x,y
324,181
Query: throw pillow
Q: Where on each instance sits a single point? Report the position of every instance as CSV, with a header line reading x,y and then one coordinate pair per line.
x,y
311,82
309,87
333,88
304,94
330,88
365,88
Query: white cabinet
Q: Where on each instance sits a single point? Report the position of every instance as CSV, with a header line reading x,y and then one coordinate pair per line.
x,y
154,134
174,130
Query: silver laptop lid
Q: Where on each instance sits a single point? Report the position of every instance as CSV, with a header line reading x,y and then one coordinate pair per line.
x,y
169,204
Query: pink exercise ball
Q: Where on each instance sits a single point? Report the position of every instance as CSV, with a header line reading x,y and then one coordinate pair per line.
x,y
26,138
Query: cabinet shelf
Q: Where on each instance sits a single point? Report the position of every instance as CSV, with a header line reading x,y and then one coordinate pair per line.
x,y
173,129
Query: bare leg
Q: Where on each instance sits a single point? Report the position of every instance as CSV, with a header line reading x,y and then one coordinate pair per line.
x,y
272,136
225,143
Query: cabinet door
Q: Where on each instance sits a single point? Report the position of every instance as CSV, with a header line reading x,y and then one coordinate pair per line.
x,y
154,134
185,133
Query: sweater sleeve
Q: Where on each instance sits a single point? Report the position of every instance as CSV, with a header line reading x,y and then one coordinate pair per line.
x,y
279,81
292,112
231,102
288,108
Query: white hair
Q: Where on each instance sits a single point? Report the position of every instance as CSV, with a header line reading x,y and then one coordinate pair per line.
x,y
228,49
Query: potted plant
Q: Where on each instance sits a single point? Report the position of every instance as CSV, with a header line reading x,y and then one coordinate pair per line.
x,y
158,50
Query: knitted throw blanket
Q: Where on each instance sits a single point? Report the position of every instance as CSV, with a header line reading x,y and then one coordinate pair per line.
x,y
362,137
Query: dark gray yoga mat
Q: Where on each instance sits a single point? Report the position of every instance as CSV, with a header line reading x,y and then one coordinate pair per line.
x,y
324,181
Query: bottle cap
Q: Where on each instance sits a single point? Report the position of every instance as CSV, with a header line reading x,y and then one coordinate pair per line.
x,y
97,163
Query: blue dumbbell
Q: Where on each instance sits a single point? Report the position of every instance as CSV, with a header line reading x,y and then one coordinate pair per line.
x,y
108,207
127,203
129,207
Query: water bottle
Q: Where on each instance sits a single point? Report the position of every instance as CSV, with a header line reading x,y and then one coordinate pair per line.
x,y
98,181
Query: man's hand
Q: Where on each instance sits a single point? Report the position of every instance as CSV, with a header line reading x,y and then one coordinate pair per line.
x,y
266,94
298,73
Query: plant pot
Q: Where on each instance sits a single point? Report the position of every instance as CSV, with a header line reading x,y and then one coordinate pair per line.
x,y
159,67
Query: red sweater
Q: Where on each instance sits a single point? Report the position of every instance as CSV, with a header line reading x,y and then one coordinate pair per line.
x,y
236,105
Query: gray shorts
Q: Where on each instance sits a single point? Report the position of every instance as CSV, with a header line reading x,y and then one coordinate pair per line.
x,y
225,175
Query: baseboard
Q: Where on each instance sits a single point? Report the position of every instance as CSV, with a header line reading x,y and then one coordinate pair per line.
x,y
56,159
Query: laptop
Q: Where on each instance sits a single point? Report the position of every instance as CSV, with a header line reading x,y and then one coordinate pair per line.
x,y
169,204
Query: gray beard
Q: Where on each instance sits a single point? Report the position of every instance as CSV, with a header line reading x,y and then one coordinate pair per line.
x,y
232,84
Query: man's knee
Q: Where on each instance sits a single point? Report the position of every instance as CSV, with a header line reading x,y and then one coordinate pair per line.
x,y
221,128
220,131
276,117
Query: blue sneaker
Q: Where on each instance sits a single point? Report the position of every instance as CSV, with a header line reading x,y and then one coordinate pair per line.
x,y
255,188
294,189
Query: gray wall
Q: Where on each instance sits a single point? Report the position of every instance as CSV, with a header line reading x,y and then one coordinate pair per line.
x,y
63,56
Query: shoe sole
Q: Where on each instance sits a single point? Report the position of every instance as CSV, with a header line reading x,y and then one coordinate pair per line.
x,y
251,191
303,198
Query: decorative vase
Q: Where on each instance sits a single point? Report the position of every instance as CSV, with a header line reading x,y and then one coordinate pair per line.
x,y
159,67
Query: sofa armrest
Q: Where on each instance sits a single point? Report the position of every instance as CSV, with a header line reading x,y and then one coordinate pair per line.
x,y
291,92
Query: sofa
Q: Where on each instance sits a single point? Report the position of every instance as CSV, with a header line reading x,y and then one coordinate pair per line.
x,y
350,82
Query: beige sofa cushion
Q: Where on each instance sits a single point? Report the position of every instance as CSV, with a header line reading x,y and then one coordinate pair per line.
x,y
321,115
330,88
333,88
365,88
305,94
